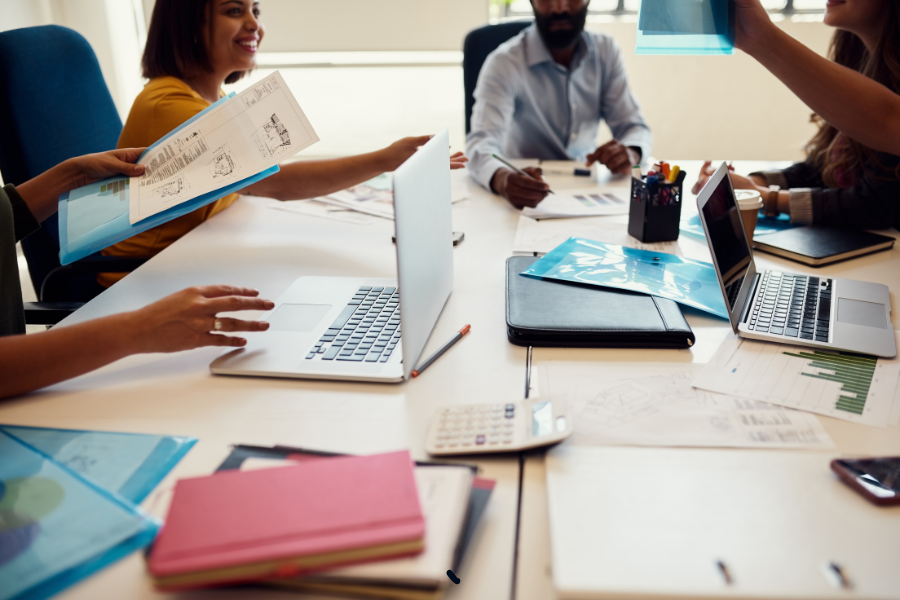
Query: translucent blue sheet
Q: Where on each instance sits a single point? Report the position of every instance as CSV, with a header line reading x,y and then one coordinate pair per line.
x,y
689,282
96,216
129,464
685,27
56,527
764,225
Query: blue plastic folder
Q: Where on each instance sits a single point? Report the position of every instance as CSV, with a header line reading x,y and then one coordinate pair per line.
x,y
56,527
95,216
686,27
129,464
689,282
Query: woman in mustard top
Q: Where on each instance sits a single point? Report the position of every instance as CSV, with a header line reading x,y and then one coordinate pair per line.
x,y
193,48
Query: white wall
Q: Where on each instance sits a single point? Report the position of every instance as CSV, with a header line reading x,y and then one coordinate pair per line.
x,y
719,106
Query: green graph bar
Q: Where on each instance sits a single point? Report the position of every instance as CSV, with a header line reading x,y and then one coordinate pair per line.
x,y
853,371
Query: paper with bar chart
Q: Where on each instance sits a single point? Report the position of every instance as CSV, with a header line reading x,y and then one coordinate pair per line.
x,y
847,386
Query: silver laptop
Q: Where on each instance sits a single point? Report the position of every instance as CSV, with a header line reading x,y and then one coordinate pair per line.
x,y
364,329
806,310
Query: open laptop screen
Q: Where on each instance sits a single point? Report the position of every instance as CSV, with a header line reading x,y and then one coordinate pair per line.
x,y
727,239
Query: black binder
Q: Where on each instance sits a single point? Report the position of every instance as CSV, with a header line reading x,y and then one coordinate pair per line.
x,y
569,315
818,245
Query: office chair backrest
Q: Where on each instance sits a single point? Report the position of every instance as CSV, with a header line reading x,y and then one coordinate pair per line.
x,y
54,105
479,43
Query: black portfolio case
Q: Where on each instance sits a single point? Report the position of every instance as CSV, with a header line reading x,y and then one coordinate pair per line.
x,y
570,315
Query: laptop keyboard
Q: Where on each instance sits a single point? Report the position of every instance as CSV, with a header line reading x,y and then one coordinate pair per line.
x,y
368,329
793,305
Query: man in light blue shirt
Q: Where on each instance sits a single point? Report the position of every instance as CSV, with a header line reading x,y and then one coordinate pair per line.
x,y
543,94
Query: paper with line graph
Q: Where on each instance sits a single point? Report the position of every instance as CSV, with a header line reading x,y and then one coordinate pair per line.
x,y
227,143
847,386
587,202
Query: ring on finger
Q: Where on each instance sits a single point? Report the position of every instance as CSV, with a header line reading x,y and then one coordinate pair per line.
x,y
217,324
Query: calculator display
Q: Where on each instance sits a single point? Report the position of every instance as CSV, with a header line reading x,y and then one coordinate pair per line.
x,y
542,418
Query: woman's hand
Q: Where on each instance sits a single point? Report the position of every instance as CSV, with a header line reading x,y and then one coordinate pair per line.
x,y
94,167
186,319
397,153
752,25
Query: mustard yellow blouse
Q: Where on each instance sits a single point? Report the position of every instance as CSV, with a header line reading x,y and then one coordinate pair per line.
x,y
164,104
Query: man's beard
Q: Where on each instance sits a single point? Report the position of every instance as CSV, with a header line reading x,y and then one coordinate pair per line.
x,y
565,37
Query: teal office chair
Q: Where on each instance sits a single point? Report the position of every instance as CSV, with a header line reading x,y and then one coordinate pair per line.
x,y
478,44
54,105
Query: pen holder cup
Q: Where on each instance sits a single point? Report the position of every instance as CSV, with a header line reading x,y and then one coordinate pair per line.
x,y
655,211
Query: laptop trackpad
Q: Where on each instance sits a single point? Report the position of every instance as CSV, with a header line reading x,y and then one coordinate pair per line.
x,y
297,317
856,312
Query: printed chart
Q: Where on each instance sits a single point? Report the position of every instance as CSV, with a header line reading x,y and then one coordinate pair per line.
x,y
843,385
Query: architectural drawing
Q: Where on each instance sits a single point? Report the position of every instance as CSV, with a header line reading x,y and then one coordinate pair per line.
x,y
172,188
223,165
272,138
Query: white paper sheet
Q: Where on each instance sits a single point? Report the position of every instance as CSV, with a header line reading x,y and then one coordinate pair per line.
x,y
587,202
248,133
376,198
540,237
623,406
860,390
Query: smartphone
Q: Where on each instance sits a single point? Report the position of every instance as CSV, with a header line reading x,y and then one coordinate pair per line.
x,y
877,479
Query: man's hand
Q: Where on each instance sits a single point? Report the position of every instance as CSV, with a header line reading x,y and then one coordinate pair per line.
x,y
618,158
94,167
521,191
185,319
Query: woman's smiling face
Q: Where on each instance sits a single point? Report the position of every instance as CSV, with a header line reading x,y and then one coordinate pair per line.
x,y
856,16
233,35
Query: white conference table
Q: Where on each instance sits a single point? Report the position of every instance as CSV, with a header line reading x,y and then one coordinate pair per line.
x,y
253,245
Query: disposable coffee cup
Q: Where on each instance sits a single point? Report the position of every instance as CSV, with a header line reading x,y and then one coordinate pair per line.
x,y
750,203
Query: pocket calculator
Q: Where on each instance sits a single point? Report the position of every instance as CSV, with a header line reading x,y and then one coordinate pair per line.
x,y
498,427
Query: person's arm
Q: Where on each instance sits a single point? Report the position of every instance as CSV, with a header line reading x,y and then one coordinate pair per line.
x,y
492,115
859,107
632,140
181,321
311,178
41,194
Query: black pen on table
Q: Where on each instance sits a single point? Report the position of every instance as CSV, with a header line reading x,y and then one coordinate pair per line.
x,y
517,170
459,335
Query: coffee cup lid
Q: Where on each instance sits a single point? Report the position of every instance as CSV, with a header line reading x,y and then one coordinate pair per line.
x,y
748,199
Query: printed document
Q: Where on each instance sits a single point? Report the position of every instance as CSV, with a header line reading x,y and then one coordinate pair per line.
x,y
843,385
587,202
666,410
248,133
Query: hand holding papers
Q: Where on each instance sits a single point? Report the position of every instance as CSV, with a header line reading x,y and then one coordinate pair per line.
x,y
228,142
234,143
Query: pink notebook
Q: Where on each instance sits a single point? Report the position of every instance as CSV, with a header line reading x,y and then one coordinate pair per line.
x,y
249,525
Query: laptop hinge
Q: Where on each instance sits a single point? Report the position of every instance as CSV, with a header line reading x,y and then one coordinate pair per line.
x,y
748,301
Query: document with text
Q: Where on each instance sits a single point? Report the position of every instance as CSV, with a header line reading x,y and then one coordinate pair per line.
x,y
235,139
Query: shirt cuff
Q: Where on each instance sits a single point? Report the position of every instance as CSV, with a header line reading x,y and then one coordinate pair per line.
x,y
486,173
773,178
802,206
23,221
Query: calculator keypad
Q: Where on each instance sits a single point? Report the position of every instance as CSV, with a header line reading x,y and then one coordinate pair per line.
x,y
476,425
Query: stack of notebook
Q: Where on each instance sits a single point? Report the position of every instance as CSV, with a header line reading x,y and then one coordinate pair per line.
x,y
374,526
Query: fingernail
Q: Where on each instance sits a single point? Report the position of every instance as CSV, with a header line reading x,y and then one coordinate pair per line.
x,y
263,324
269,304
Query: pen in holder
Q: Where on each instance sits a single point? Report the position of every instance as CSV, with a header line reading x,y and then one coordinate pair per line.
x,y
655,212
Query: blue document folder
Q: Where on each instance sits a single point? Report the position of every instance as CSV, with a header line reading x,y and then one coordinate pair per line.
x,y
686,27
688,282
96,216
57,527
